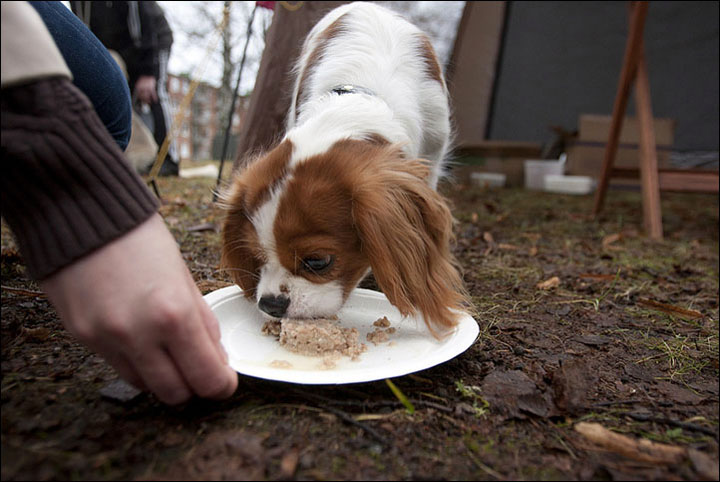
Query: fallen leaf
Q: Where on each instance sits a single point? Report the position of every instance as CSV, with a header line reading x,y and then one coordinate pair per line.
x,y
40,333
513,394
603,277
533,251
553,282
677,394
488,237
593,340
610,239
671,309
572,384
508,247
474,217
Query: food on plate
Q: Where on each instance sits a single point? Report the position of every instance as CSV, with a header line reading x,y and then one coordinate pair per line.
x,y
316,337
281,364
382,331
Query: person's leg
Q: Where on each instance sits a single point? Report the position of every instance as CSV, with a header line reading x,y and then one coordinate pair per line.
x,y
161,117
94,71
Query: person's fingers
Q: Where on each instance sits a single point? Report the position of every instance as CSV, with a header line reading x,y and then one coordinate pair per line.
x,y
200,358
211,324
126,370
161,376
118,361
213,329
210,321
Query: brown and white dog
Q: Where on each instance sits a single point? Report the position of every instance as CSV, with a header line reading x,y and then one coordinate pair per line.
x,y
352,185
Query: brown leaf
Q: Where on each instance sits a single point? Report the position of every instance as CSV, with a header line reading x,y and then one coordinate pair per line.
x,y
40,333
512,394
507,247
671,309
610,239
572,384
533,251
603,277
488,237
553,282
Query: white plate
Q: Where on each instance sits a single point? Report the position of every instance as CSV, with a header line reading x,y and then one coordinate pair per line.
x,y
410,349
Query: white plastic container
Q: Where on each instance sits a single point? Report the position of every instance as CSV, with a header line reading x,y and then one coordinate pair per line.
x,y
537,169
488,179
569,184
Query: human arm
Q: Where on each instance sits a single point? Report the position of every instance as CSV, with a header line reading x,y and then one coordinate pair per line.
x,y
134,302
146,89
87,228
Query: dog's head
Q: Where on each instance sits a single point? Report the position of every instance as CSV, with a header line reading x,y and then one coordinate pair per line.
x,y
299,235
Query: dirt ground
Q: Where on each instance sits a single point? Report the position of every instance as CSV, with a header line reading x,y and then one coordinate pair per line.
x,y
585,325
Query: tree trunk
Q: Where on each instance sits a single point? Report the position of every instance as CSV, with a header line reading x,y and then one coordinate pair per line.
x,y
264,121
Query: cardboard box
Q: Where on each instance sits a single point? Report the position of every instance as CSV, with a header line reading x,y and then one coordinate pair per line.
x,y
505,157
585,155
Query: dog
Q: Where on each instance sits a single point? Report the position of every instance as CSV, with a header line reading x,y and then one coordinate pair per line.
x,y
351,187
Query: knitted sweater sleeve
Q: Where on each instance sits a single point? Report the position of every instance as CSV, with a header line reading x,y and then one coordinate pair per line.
x,y
67,189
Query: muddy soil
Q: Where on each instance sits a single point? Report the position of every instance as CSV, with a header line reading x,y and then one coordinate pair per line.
x,y
582,321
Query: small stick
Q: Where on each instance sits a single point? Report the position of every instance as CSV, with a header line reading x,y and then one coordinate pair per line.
x,y
677,423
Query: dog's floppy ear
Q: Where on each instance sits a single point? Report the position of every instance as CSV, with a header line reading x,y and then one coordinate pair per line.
x,y
238,236
405,228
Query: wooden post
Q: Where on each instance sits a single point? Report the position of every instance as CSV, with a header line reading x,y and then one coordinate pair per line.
x,y
652,213
627,75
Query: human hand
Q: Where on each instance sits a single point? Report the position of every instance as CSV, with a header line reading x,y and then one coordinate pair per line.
x,y
146,89
134,302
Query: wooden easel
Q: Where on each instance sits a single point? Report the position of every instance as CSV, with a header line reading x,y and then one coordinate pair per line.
x,y
652,180
635,69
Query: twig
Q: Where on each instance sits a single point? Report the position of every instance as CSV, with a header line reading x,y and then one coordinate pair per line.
x,y
24,292
676,423
376,403
347,418
617,402
343,416
642,450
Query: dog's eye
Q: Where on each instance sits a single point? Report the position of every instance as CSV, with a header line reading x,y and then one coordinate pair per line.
x,y
318,264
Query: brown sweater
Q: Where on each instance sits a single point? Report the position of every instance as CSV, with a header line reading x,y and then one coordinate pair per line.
x,y
67,189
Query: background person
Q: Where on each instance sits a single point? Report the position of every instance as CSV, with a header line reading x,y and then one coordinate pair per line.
x,y
140,33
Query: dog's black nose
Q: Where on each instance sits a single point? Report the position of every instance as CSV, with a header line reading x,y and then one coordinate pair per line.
x,y
274,305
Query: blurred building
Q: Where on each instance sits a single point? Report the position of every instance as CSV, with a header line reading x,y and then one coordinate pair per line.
x,y
201,136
